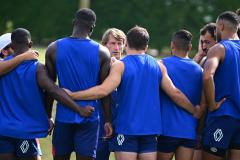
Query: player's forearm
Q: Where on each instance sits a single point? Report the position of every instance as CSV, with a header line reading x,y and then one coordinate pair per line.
x,y
107,109
209,90
8,65
96,92
63,98
201,123
49,104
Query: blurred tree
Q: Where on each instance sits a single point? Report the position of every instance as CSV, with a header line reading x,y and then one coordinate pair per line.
x,y
51,19
9,26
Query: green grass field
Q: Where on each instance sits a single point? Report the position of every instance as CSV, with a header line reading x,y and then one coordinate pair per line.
x,y
46,144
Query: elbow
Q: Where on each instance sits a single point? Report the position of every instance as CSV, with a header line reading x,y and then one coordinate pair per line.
x,y
207,77
2,72
176,96
102,92
211,108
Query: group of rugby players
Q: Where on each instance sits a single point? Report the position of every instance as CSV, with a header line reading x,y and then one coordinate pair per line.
x,y
149,109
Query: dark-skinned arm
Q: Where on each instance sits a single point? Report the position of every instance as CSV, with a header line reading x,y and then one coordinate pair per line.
x,y
215,56
105,62
50,58
8,65
59,94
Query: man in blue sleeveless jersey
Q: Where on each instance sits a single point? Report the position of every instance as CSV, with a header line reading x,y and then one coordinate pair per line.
x,y
138,77
221,79
23,114
8,65
187,76
79,63
206,41
115,40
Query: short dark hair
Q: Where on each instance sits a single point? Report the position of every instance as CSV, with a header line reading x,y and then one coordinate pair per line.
x,y
21,36
86,17
182,39
231,17
210,28
137,38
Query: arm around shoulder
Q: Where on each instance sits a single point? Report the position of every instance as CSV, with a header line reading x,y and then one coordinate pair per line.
x,y
174,93
108,85
8,65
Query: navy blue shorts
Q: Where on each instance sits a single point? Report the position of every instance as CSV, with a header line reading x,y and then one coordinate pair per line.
x,y
170,144
21,147
220,134
81,138
103,150
133,143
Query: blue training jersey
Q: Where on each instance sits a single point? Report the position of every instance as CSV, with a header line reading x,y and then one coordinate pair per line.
x,y
186,75
227,81
77,67
22,109
138,111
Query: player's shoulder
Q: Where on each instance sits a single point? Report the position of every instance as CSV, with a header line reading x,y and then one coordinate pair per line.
x,y
104,56
51,46
218,50
103,49
217,47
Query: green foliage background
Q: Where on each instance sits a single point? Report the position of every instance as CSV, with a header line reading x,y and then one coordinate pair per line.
x,y
51,19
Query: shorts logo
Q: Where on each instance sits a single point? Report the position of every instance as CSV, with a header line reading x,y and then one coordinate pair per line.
x,y
218,135
213,149
24,146
120,139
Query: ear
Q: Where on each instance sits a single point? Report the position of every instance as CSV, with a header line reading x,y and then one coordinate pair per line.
x,y
73,21
146,48
91,29
30,44
126,47
12,46
190,47
222,26
172,45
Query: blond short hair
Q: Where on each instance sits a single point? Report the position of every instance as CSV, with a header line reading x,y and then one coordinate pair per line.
x,y
116,33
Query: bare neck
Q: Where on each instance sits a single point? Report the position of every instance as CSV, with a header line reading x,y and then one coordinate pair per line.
x,y
230,36
77,33
181,54
18,51
135,52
